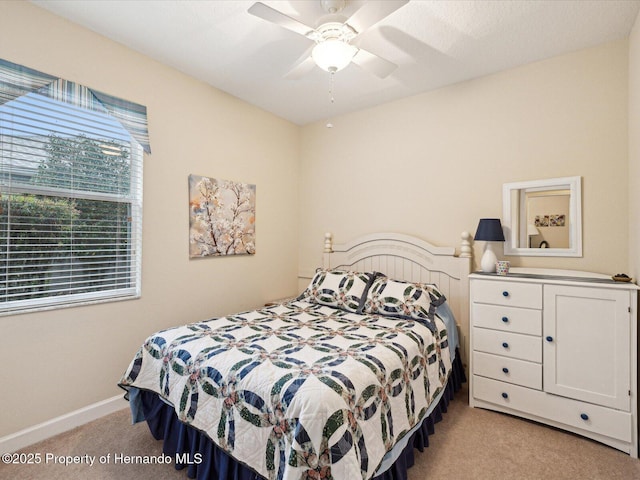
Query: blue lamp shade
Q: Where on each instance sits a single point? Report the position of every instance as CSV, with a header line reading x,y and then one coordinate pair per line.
x,y
489,230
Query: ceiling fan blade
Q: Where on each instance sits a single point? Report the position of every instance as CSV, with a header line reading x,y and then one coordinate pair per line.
x,y
372,12
274,16
373,63
302,66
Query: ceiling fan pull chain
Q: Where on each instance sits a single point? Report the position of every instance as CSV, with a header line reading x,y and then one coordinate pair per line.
x,y
332,76
331,99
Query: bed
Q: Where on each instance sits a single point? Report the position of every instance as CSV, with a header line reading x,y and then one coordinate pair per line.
x,y
343,381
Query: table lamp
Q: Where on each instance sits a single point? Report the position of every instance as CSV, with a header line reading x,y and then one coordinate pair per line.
x,y
489,230
532,231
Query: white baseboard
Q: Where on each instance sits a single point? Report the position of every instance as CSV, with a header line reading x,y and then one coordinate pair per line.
x,y
42,431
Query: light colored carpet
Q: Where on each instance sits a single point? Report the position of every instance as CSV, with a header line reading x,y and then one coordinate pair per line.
x,y
468,444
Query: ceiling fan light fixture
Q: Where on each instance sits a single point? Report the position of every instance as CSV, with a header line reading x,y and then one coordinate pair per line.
x,y
333,54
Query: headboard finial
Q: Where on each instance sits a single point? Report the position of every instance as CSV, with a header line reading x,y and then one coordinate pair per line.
x,y
328,243
465,245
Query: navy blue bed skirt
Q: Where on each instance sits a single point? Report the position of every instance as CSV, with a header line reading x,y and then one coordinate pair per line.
x,y
203,460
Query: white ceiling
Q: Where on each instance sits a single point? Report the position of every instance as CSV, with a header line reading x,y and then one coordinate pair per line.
x,y
433,42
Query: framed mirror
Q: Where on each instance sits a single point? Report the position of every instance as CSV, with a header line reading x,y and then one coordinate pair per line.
x,y
543,217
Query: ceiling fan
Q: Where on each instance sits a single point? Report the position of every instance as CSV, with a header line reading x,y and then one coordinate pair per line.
x,y
333,49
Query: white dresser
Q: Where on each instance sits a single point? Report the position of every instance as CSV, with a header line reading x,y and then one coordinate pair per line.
x,y
557,347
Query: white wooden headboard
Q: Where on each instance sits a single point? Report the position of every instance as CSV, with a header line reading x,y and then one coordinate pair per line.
x,y
404,257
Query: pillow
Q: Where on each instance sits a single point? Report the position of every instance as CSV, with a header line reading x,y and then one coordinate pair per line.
x,y
339,289
396,298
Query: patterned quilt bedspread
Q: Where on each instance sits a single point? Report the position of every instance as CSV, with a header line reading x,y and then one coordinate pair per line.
x,y
298,390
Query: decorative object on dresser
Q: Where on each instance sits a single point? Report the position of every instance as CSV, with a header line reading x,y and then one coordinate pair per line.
x,y
502,267
558,347
489,230
621,277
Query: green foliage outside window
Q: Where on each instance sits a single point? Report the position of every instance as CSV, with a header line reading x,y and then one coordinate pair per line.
x,y
81,163
52,241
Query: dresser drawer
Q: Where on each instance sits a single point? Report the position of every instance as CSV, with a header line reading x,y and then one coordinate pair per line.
x,y
507,344
586,416
508,319
527,295
519,372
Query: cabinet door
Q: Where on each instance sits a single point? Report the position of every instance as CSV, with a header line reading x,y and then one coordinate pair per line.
x,y
586,344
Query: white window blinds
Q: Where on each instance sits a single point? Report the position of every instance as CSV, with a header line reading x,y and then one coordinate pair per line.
x,y
70,200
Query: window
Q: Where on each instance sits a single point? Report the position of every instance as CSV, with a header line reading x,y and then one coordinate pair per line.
x,y
70,199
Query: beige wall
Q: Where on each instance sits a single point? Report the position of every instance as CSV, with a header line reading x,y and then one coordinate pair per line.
x,y
634,150
56,362
433,164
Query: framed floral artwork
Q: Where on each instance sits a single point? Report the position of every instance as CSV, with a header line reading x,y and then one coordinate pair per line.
x,y
222,217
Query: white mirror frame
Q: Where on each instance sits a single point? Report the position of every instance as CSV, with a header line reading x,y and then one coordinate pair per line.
x,y
510,217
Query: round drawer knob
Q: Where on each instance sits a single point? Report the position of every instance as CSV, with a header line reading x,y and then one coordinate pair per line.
x,y
505,344
549,339
505,395
505,294
505,319
505,369
584,416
